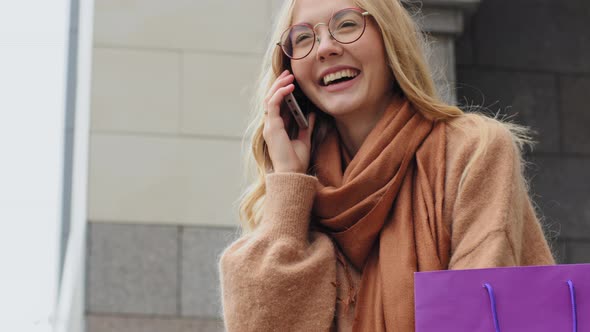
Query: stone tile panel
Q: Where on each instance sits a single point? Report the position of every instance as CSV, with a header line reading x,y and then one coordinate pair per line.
x,y
560,187
530,98
184,24
464,44
543,35
132,269
170,180
118,323
135,91
575,111
216,95
559,249
578,252
201,248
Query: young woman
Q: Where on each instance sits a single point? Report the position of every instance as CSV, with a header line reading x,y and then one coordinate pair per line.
x,y
387,179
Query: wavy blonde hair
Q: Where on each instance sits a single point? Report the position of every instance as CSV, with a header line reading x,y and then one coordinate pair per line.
x,y
405,46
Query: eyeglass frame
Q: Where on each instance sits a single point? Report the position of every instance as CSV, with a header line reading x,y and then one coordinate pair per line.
x,y
317,38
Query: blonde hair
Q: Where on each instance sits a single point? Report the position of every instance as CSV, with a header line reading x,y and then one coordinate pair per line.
x,y
405,46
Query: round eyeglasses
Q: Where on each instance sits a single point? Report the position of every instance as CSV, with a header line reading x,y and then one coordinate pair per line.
x,y
346,26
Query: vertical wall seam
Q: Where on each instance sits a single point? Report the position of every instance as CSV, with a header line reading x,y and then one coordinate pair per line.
x,y
87,297
179,269
180,95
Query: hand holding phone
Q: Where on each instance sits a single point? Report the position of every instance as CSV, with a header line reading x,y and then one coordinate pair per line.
x,y
288,146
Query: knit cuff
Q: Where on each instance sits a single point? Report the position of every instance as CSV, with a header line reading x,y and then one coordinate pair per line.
x,y
288,204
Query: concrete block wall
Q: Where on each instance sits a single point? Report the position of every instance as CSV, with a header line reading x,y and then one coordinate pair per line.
x,y
170,93
154,277
530,59
170,89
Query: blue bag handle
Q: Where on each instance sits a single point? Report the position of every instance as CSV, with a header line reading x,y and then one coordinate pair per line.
x,y
490,291
493,305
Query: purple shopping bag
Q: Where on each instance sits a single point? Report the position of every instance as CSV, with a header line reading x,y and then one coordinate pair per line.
x,y
532,298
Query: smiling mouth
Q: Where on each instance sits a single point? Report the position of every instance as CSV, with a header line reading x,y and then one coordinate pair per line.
x,y
339,77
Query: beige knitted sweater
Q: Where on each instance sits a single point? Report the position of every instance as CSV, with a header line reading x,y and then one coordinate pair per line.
x,y
282,277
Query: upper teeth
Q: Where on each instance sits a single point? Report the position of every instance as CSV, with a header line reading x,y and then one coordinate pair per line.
x,y
339,74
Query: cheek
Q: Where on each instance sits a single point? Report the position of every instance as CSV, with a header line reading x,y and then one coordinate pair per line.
x,y
376,62
295,69
375,44
303,76
301,70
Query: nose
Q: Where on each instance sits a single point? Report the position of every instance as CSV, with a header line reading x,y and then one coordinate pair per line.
x,y
327,46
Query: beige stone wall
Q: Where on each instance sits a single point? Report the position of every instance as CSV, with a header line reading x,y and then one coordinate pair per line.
x,y
170,92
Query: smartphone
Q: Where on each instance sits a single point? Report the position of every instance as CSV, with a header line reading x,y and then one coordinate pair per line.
x,y
296,111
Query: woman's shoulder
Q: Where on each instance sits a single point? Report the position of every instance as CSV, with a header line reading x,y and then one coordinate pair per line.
x,y
477,134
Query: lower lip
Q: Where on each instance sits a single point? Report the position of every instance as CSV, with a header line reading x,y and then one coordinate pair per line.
x,y
342,85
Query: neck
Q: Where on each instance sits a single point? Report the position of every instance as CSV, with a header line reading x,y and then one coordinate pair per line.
x,y
354,128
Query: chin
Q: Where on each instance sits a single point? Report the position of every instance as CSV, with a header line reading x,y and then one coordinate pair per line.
x,y
343,105
338,110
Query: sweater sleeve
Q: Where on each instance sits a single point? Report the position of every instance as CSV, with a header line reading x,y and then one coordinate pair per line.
x,y
281,276
493,222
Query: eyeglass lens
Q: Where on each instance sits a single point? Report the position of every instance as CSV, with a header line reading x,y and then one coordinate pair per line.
x,y
346,26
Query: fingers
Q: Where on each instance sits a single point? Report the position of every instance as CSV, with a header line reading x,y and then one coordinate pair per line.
x,y
274,104
274,125
275,85
283,80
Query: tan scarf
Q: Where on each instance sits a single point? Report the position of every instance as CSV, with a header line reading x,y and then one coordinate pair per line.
x,y
385,211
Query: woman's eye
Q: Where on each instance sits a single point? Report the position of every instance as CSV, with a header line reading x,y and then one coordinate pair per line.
x,y
347,24
301,38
